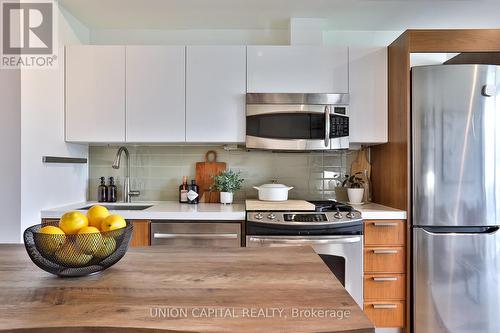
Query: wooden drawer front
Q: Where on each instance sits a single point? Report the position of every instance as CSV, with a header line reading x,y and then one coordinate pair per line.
x,y
386,314
142,233
54,222
385,232
384,286
388,259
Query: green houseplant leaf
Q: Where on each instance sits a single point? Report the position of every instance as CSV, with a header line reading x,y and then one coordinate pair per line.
x,y
228,181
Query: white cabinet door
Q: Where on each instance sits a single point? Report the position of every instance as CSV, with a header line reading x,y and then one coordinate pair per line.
x,y
215,94
297,69
155,93
95,93
368,95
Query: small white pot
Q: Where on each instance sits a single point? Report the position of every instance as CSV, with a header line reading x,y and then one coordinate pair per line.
x,y
226,198
273,192
355,195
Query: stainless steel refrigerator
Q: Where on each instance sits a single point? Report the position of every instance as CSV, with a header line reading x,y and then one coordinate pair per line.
x,y
456,198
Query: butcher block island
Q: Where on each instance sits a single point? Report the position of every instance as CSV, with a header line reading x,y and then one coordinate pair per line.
x,y
181,290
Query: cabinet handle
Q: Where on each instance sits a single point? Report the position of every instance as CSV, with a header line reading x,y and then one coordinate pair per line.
x,y
385,224
385,251
203,236
383,279
385,306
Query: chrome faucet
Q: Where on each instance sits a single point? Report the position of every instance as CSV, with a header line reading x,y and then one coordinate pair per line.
x,y
127,192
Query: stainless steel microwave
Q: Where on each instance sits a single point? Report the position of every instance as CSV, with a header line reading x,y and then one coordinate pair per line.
x,y
297,121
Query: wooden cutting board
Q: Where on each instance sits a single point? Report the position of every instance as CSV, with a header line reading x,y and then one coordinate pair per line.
x,y
205,171
279,205
361,164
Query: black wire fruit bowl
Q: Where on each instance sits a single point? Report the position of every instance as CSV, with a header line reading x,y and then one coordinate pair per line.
x,y
76,255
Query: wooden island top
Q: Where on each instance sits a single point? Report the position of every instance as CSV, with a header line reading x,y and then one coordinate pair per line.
x,y
158,289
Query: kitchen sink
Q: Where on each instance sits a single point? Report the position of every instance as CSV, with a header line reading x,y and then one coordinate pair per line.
x,y
120,207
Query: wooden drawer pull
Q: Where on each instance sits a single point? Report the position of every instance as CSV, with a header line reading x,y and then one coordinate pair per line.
x,y
385,224
385,251
383,279
385,306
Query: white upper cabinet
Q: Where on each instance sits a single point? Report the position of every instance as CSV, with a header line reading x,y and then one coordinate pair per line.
x,y
155,94
95,93
215,94
368,95
297,69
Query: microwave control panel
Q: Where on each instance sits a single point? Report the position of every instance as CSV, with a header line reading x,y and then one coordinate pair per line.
x,y
339,126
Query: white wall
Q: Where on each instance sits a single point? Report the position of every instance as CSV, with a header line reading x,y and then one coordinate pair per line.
x,y
42,133
10,158
235,37
360,38
189,37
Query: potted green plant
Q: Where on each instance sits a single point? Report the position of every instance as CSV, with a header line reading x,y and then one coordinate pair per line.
x,y
227,182
355,188
340,188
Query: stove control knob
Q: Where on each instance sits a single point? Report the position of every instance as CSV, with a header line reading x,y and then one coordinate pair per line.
x,y
259,216
271,216
351,215
337,215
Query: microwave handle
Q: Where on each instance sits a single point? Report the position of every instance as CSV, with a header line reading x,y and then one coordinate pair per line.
x,y
327,125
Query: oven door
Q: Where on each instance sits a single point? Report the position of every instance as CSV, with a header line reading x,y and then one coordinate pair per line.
x,y
342,254
296,127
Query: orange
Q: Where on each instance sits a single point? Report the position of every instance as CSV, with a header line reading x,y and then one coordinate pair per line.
x,y
113,222
71,222
89,240
96,214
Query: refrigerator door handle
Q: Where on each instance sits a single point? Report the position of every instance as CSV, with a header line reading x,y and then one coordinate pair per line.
x,y
488,90
461,230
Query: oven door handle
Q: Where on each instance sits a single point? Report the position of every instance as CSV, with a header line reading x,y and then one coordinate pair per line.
x,y
305,240
327,126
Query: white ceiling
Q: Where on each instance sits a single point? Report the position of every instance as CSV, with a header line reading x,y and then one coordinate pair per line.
x,y
275,14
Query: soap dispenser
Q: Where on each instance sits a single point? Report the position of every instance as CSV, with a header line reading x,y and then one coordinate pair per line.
x,y
112,190
102,191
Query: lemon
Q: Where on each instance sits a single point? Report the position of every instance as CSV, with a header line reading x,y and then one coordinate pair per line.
x,y
96,214
71,222
113,222
50,244
69,255
89,240
108,248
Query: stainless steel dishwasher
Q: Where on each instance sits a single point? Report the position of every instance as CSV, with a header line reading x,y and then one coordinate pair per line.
x,y
196,234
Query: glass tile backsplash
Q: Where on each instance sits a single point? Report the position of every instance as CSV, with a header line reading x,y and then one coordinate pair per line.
x,y
157,171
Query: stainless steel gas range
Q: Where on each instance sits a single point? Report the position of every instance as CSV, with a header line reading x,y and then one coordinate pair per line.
x,y
334,230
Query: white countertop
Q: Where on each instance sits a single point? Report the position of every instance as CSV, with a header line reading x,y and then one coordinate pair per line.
x,y
163,210
373,211
172,210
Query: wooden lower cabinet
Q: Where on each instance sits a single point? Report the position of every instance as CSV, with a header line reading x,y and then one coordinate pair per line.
x,y
386,313
387,259
385,272
141,235
384,286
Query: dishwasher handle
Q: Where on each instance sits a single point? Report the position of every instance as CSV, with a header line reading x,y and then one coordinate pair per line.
x,y
198,236
280,240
